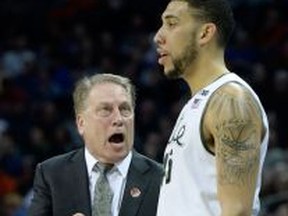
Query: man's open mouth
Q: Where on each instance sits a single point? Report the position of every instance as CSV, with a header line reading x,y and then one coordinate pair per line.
x,y
116,138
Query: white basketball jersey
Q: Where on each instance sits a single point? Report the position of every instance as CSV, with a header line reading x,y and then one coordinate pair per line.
x,y
189,186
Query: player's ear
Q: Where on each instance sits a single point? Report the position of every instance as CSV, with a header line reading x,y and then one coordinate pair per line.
x,y
207,33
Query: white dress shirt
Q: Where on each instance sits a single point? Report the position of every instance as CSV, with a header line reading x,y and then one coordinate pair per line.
x,y
117,178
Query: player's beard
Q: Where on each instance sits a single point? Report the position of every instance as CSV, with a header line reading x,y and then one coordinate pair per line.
x,y
182,62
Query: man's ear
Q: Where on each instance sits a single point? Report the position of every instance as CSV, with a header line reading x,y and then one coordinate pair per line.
x,y
207,33
80,122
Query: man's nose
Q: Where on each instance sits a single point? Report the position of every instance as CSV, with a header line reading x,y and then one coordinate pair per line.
x,y
117,118
158,37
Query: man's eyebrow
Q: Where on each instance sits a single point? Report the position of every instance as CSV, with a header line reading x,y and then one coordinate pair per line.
x,y
126,103
168,16
105,103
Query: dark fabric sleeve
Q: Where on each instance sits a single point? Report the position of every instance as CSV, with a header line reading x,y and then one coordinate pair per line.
x,y
41,204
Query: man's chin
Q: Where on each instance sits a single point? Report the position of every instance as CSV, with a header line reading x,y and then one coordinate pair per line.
x,y
172,74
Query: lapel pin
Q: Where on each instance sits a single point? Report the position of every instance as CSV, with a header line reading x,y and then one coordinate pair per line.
x,y
135,192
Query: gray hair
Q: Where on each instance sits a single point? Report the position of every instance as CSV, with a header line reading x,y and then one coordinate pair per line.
x,y
84,86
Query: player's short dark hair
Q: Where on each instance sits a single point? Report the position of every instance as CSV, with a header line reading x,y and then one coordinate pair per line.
x,y
218,12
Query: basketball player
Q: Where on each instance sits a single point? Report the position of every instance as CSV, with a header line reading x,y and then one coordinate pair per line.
x,y
214,157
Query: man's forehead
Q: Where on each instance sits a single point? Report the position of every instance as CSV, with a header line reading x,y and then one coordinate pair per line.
x,y
175,9
107,92
111,101
119,101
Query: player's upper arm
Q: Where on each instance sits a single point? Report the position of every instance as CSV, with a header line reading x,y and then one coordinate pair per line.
x,y
234,121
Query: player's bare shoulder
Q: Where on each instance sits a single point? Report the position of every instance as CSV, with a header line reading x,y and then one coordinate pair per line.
x,y
233,111
233,103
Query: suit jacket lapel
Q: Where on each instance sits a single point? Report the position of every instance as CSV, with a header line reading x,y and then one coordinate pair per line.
x,y
136,186
79,184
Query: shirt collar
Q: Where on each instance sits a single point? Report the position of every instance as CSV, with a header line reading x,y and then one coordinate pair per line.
x,y
121,166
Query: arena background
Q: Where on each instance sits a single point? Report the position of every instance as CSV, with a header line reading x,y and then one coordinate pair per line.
x,y
46,45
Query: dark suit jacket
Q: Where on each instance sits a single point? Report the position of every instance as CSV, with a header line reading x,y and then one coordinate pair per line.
x,y
61,187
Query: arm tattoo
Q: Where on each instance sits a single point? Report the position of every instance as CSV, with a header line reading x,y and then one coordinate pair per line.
x,y
236,151
237,135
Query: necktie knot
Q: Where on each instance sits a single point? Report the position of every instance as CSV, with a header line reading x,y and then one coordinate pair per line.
x,y
102,168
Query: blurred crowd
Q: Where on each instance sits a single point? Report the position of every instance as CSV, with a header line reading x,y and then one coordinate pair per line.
x,y
45,46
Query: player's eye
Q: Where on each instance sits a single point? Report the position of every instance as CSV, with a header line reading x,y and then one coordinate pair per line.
x,y
171,23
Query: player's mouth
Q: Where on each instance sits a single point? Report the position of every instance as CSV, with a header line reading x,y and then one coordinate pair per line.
x,y
162,56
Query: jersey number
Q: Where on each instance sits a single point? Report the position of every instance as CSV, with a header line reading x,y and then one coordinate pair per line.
x,y
168,163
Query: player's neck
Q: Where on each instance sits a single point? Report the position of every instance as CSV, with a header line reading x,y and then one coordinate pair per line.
x,y
203,72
